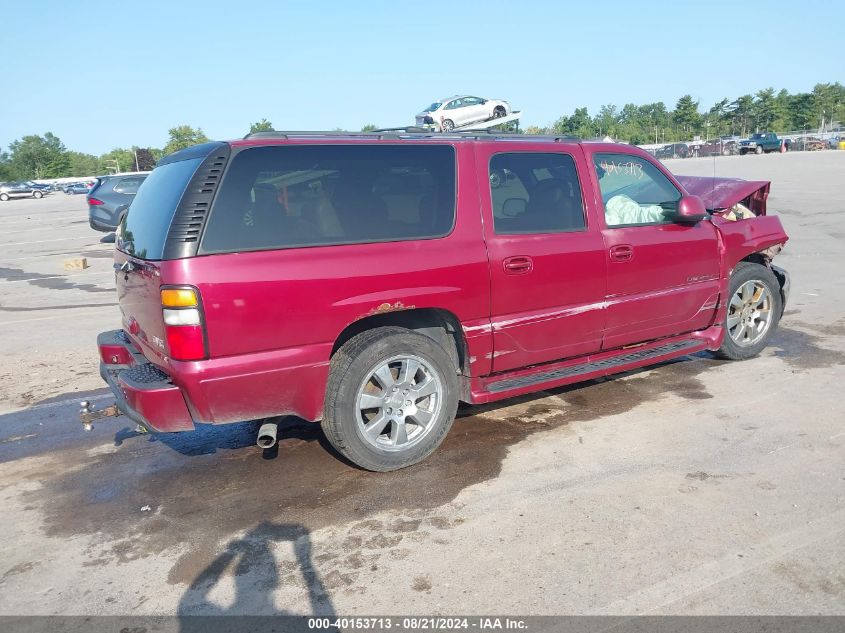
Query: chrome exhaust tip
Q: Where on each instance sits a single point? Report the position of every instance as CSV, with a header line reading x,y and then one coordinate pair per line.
x,y
267,435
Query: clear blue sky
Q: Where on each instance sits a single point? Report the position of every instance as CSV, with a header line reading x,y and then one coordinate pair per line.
x,y
108,74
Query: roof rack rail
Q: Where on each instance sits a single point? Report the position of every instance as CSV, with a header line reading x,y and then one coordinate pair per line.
x,y
419,132
410,129
286,134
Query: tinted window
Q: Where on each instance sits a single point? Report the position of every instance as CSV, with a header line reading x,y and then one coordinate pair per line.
x,y
535,193
128,185
634,191
286,196
144,228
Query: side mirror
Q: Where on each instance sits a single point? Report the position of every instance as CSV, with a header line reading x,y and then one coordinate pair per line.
x,y
514,207
691,209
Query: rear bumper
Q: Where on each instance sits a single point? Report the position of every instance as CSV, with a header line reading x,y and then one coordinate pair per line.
x,y
98,225
141,390
173,396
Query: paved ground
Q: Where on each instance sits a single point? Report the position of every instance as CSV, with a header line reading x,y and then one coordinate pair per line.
x,y
695,487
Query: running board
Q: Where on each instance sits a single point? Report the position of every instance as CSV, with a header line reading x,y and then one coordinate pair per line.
x,y
605,366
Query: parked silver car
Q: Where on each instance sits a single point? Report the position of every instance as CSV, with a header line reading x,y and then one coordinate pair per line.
x,y
447,114
18,190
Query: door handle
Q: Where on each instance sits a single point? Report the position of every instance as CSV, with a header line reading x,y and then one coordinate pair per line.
x,y
621,253
517,265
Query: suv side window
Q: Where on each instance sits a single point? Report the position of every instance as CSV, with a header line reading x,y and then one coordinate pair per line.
x,y
535,193
634,191
315,195
128,185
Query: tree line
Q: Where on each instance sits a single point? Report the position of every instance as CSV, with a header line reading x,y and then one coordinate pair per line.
x,y
764,111
37,157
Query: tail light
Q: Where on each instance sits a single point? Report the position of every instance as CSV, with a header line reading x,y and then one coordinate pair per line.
x,y
94,202
183,320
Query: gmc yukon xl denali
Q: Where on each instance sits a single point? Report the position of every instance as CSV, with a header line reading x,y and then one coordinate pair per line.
x,y
373,281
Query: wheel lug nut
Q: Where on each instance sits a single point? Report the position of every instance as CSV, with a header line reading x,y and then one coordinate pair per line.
x,y
407,403
389,410
400,412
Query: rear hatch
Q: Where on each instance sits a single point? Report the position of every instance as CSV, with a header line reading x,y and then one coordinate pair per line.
x,y
140,252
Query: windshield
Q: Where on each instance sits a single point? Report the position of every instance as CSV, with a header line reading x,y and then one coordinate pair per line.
x,y
434,106
757,135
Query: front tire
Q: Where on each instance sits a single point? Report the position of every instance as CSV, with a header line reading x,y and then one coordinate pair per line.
x,y
447,126
391,397
754,309
37,194
759,149
4,197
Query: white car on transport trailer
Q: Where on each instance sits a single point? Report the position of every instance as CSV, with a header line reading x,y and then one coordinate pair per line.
x,y
447,114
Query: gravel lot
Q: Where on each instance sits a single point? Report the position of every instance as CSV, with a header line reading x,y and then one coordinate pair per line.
x,y
697,487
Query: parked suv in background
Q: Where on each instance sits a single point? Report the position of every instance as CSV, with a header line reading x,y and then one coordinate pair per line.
x,y
373,281
19,190
110,197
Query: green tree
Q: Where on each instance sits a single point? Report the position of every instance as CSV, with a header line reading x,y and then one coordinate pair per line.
x,y
117,160
606,120
34,157
579,124
80,164
183,136
686,114
6,172
260,126
741,113
370,127
802,111
764,108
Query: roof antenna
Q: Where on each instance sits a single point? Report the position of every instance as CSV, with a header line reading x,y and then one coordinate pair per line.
x,y
713,186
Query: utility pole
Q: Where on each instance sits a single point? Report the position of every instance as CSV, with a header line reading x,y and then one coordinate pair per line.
x,y
136,160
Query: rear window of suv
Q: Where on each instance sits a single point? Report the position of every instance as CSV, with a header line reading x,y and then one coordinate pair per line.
x,y
313,195
143,230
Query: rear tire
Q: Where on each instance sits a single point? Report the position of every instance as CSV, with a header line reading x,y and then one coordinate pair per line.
x,y
498,112
754,309
374,377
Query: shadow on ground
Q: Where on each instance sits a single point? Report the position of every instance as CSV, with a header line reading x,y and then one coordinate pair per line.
x,y
257,574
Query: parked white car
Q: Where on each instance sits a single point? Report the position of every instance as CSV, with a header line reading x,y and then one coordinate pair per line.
x,y
447,114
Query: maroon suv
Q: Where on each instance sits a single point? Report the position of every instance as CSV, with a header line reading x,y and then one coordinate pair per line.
x,y
373,281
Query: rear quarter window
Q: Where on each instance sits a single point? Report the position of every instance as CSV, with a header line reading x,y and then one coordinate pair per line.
x,y
128,185
143,230
294,196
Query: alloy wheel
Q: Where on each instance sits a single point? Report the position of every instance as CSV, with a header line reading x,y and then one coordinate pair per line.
x,y
749,313
399,402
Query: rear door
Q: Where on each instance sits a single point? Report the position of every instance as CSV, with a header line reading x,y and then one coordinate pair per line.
x,y
547,261
662,277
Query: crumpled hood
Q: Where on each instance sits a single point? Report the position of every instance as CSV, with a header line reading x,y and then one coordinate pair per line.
x,y
723,193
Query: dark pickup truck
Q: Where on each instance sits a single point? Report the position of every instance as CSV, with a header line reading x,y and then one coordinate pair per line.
x,y
762,142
